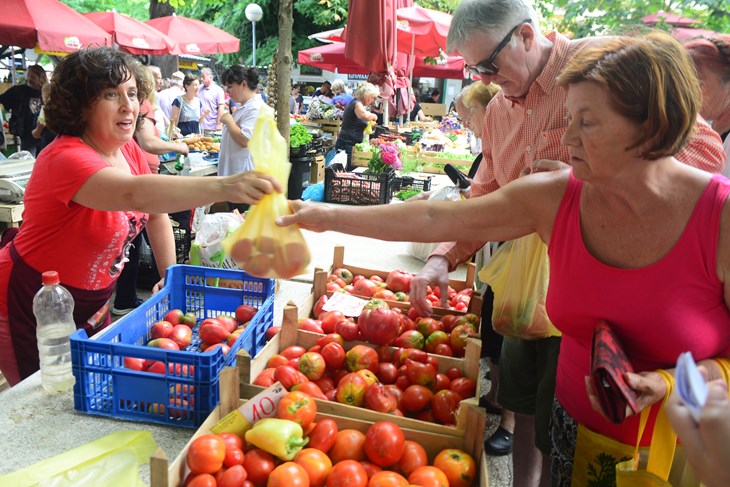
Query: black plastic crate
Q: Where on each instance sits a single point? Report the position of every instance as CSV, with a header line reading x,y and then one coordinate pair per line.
x,y
424,184
358,189
147,275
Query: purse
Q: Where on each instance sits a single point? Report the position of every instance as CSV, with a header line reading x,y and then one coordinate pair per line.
x,y
608,365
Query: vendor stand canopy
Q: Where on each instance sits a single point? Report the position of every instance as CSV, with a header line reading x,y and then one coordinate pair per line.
x,y
422,31
134,36
49,24
196,37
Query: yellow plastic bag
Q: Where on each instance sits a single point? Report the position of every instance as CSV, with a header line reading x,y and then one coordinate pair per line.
x,y
259,246
518,274
110,461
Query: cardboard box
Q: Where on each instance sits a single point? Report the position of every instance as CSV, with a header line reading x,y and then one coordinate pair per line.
x,y
316,173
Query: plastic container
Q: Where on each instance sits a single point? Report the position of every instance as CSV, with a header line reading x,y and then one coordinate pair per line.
x,y
360,189
299,177
53,307
189,391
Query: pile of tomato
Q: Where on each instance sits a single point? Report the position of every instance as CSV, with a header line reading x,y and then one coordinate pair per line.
x,y
332,457
395,287
399,381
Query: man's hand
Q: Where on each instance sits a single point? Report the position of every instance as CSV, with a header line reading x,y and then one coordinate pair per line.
x,y
435,273
544,165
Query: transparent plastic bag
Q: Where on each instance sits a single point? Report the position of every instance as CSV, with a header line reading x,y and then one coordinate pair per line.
x,y
421,250
207,248
518,273
259,246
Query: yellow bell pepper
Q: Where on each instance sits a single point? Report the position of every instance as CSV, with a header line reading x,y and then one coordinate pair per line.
x,y
280,437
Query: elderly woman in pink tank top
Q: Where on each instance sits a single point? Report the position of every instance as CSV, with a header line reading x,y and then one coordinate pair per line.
x,y
637,236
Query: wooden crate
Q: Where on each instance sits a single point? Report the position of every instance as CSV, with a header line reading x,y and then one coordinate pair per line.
x,y
361,159
171,474
316,174
320,284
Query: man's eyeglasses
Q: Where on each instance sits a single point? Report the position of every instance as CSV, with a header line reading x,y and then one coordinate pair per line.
x,y
487,67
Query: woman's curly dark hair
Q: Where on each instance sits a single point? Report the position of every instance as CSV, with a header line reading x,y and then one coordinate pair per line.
x,y
79,80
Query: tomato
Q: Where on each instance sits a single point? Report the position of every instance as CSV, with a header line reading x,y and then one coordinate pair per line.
x,y
232,441
442,382
298,407
343,274
234,456
386,295
288,474
444,405
310,388
329,319
370,378
347,473
410,339
134,363
464,387
271,332
325,384
396,392
316,463
416,398
362,357
348,446
428,477
309,324
384,443
323,436
317,308
329,338
364,287
351,389
421,374
370,468
245,313
387,373
233,477
289,376
334,355
293,351
458,466
378,323
206,454
454,373
348,329
277,360
399,281
258,464
380,399
414,456
387,479
265,378
201,480
312,365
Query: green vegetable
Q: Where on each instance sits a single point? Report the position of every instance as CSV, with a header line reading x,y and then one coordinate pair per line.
x,y
404,194
280,437
299,136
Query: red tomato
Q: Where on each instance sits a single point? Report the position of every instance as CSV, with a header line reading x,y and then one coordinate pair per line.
x,y
396,392
288,474
258,464
347,473
325,384
232,441
233,477
458,466
442,382
316,463
293,351
387,479
134,363
206,454
334,355
387,373
464,387
201,480
414,456
312,364
384,443
329,319
323,436
416,398
277,360
348,446
370,468
298,407
329,338
317,308
428,477
289,376
234,456
454,373
310,388
444,405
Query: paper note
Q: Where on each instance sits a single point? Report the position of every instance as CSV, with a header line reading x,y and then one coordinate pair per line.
x,y
690,384
262,405
347,304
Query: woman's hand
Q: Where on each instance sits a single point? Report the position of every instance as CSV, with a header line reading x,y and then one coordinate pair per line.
x,y
707,444
182,148
309,216
160,284
249,187
649,386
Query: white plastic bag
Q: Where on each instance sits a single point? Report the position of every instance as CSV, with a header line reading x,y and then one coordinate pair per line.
x,y
207,248
421,250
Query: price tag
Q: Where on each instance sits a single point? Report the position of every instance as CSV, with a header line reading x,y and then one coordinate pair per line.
x,y
262,405
347,304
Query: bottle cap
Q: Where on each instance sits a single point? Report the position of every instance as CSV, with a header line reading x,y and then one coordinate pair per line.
x,y
50,277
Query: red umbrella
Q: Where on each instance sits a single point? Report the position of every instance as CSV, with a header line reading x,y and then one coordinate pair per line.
x,y
196,37
422,31
684,33
667,18
50,24
134,36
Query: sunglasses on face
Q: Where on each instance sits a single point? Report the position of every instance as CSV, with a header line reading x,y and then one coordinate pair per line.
x,y
487,67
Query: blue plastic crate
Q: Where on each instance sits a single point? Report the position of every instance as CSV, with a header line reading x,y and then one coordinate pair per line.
x,y
188,393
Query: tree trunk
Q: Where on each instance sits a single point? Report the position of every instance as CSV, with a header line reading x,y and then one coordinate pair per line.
x,y
283,66
167,63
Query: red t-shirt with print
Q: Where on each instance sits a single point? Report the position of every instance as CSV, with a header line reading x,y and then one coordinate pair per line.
x,y
84,245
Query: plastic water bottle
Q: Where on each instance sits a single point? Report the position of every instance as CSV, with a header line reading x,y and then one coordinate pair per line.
x,y
53,308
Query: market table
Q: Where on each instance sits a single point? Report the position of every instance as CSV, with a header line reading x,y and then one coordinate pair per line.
x,y
11,214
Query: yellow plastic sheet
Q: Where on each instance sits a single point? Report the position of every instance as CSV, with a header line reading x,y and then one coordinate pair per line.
x,y
259,246
111,461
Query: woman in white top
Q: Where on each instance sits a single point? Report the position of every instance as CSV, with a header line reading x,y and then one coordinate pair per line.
x,y
187,109
235,156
